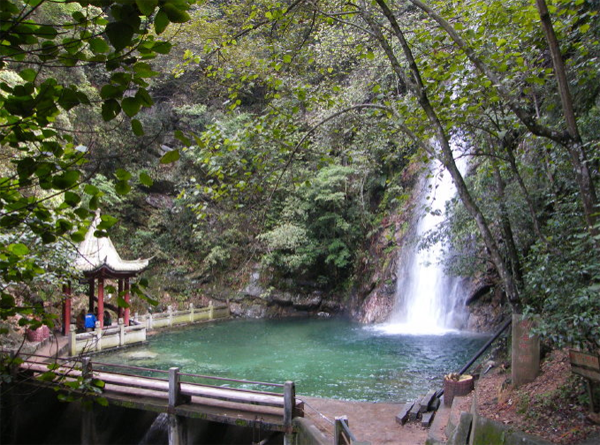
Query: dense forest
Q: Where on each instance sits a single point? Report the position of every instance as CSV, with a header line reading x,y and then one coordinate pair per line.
x,y
282,140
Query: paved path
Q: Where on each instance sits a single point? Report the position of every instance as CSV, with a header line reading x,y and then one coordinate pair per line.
x,y
52,348
369,422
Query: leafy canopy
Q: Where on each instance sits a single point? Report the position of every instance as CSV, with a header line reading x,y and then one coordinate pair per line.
x,y
42,44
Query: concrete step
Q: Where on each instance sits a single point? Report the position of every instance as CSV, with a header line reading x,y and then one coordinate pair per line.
x,y
447,419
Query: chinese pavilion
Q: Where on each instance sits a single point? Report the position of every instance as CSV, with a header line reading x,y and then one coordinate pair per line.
x,y
98,260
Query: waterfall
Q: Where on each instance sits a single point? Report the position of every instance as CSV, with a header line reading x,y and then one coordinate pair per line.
x,y
158,431
427,300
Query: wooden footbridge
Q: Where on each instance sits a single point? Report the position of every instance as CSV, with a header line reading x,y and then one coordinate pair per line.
x,y
178,394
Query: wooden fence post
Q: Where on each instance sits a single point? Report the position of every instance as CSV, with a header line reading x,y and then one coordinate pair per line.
x,y
86,368
191,312
338,434
210,310
289,405
176,431
342,434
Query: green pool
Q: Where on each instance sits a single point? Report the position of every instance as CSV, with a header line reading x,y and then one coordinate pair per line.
x,y
325,358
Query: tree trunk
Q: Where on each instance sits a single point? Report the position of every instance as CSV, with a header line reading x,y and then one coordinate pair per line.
x,y
570,139
446,155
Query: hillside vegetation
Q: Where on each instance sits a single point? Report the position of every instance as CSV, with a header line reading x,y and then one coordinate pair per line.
x,y
277,140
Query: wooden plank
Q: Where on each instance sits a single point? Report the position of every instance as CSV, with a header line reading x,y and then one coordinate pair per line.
x,y
427,418
587,373
194,390
232,395
402,417
590,361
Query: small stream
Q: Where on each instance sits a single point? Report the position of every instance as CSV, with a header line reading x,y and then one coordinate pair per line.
x,y
325,358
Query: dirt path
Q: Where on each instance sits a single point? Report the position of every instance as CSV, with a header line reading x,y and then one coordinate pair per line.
x,y
369,422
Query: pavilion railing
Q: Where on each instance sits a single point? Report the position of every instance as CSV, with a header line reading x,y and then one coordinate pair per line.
x,y
120,335
109,337
191,315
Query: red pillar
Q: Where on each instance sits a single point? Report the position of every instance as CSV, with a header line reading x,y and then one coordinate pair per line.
x,y
101,301
91,295
126,317
66,327
120,286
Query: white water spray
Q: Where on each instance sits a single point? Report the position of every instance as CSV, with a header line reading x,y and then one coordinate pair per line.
x,y
428,301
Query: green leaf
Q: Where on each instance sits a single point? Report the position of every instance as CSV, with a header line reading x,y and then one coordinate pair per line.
x,y
82,213
102,401
77,237
119,34
28,74
18,249
65,180
94,202
98,45
162,47
143,69
111,91
131,106
122,187
176,12
106,222
68,99
146,7
90,189
73,199
26,167
143,97
110,109
136,127
161,21
123,175
181,137
145,179
47,376
122,303
170,156
98,383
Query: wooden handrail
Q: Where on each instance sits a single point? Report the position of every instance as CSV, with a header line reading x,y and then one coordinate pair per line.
x,y
185,390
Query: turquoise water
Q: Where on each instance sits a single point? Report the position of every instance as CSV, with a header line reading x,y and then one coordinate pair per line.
x,y
325,358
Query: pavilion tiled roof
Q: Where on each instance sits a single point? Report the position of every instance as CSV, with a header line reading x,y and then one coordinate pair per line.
x,y
95,253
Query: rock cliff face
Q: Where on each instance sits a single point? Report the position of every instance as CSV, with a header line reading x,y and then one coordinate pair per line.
x,y
257,301
372,298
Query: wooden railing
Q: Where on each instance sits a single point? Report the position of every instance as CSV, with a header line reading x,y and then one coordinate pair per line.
x,y
342,434
179,394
